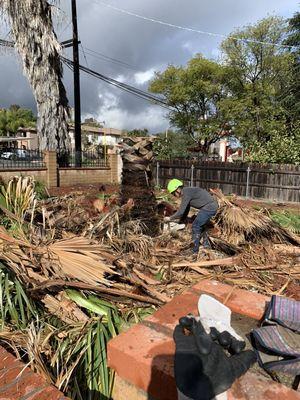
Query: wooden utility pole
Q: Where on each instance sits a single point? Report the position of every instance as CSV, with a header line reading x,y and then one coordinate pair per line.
x,y
77,107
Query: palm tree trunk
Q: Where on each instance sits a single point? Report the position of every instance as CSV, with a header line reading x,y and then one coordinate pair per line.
x,y
137,182
36,42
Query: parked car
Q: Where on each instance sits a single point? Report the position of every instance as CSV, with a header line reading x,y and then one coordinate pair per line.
x,y
14,154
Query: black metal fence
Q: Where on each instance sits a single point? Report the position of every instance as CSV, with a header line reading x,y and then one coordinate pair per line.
x,y
82,159
16,158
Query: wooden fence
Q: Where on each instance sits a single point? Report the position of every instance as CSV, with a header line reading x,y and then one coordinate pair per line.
x,y
278,182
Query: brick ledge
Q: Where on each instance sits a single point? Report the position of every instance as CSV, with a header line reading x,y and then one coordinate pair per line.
x,y
143,356
18,382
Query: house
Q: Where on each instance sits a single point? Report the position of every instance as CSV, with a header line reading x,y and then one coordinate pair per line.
x,y
90,134
228,149
26,138
94,135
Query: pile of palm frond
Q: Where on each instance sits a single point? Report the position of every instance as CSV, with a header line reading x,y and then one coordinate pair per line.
x,y
71,264
130,239
245,225
69,354
73,258
64,214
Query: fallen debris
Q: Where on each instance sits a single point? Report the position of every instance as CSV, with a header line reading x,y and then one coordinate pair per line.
x,y
244,225
86,268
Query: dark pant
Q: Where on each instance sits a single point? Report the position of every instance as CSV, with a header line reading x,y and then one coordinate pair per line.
x,y
198,228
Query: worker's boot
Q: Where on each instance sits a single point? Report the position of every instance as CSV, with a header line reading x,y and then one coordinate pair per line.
x,y
205,242
196,240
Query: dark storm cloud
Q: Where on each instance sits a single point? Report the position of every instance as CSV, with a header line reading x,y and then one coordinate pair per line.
x,y
144,45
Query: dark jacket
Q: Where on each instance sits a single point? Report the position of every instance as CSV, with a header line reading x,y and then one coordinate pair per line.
x,y
197,198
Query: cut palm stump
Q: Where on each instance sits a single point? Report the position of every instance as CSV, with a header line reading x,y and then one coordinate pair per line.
x,y
137,182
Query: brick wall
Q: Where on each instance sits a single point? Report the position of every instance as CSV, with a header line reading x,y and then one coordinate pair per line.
x,y
38,174
51,164
84,176
18,382
81,176
52,176
143,356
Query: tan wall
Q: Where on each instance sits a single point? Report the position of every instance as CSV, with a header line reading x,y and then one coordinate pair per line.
x,y
39,175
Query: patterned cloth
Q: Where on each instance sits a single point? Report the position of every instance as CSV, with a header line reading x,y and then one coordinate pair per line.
x,y
285,312
278,344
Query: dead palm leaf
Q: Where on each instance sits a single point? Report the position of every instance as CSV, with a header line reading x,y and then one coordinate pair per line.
x,y
77,258
65,309
241,225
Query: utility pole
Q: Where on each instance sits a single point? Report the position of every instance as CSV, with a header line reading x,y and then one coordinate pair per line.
x,y
77,107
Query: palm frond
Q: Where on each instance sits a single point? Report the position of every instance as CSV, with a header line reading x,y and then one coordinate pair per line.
x,y
244,225
77,258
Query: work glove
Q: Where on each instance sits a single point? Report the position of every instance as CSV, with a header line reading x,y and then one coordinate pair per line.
x,y
202,367
167,219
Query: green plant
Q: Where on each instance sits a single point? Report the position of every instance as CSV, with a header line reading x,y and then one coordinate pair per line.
x,y
16,308
71,356
18,195
40,190
288,220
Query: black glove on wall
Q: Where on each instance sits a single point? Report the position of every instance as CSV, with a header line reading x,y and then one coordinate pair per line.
x,y
202,367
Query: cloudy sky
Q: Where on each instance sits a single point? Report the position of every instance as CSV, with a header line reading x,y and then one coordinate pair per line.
x,y
130,49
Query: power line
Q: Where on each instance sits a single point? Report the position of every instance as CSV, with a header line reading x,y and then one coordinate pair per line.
x,y
90,52
123,86
6,43
82,51
185,28
107,58
128,88
66,27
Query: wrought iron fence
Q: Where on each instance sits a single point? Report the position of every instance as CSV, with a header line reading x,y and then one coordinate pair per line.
x,y
82,159
15,158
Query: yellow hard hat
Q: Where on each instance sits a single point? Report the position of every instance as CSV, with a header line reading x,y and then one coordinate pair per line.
x,y
174,184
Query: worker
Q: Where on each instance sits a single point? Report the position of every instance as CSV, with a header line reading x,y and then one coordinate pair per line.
x,y
197,198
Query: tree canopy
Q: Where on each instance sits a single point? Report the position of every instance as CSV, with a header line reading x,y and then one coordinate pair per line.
x,y
194,92
291,97
250,93
171,144
258,70
137,132
15,117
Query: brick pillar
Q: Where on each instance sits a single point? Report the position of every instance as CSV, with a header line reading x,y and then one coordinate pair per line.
x,y
51,165
114,168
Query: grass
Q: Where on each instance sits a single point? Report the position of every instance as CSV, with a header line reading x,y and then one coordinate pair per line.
x,y
287,219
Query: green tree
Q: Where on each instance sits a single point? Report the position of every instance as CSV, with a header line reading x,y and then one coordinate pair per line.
x,y
282,148
257,71
291,96
14,118
194,93
172,145
137,132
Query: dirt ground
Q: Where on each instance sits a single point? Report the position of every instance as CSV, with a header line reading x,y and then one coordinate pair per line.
x,y
269,205
91,190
